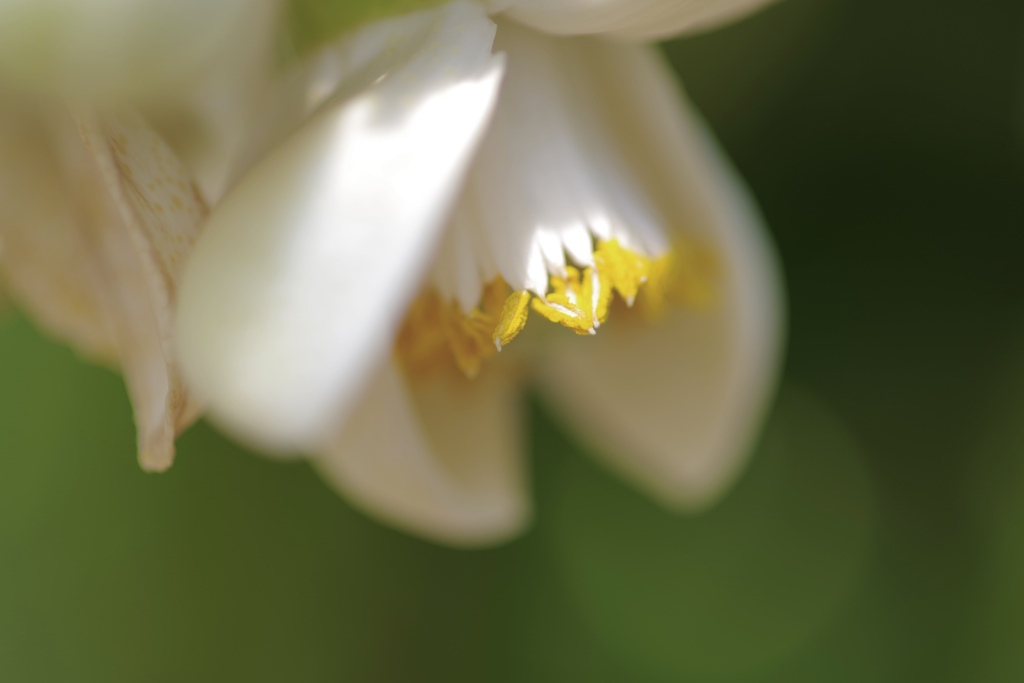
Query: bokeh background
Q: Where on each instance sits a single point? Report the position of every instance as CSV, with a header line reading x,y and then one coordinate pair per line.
x,y
878,535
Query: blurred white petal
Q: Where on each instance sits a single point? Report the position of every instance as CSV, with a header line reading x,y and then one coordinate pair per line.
x,y
120,48
335,72
42,247
632,19
443,460
675,406
297,288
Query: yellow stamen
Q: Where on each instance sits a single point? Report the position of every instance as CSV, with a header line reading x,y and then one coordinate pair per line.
x,y
656,294
495,294
468,337
626,270
573,301
686,276
422,344
696,274
558,308
513,318
595,295
438,333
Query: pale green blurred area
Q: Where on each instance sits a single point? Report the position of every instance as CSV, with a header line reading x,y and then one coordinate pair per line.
x,y
877,536
234,567
313,22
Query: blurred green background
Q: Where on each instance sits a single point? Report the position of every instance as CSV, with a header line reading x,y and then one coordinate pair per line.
x,y
878,536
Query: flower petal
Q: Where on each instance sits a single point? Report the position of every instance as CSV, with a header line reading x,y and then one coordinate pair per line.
x,y
675,406
633,19
443,460
299,284
550,176
41,249
127,208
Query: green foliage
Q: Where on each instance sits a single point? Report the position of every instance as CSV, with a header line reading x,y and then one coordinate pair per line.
x,y
738,588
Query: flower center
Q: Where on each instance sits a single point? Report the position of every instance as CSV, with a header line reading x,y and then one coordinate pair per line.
x,y
437,332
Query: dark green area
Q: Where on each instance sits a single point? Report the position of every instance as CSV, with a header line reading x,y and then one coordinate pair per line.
x,y
878,536
883,140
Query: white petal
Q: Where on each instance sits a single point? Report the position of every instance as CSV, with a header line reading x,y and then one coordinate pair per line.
x,y
336,71
549,176
675,406
123,217
444,461
457,273
634,19
298,286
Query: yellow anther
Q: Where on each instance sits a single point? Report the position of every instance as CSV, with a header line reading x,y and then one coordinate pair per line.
x,y
657,290
493,300
439,333
595,295
563,305
468,337
686,276
513,318
422,344
577,301
561,286
626,270
558,308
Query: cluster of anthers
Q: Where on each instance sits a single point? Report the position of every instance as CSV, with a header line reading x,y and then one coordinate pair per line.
x,y
437,331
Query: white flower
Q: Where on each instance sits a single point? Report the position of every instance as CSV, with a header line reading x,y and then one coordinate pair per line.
x,y
451,156
405,202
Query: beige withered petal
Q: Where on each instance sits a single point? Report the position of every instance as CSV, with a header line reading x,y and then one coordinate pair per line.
x,y
41,246
93,242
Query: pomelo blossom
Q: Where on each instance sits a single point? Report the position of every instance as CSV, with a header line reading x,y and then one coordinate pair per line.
x,y
407,208
361,295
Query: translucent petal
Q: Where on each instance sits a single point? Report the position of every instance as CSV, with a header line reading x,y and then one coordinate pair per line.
x,y
443,461
550,177
674,406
